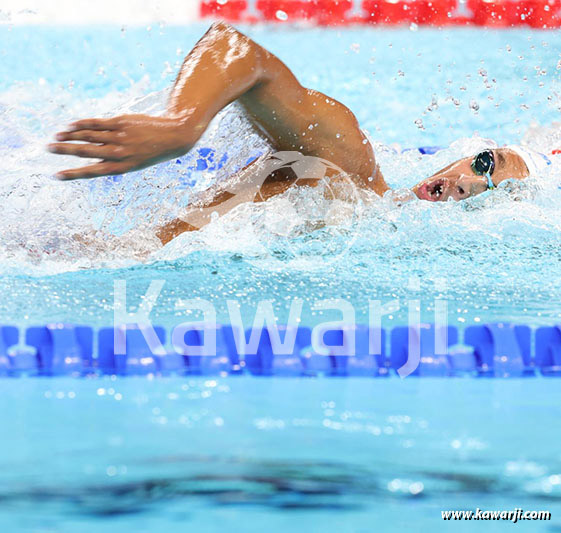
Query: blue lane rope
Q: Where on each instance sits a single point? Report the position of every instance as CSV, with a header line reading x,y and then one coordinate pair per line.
x,y
492,350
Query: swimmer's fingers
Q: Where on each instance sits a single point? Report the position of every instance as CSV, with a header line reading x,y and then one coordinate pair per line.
x,y
98,124
91,136
109,151
105,168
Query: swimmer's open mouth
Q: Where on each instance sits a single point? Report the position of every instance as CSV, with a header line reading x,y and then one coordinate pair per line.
x,y
433,191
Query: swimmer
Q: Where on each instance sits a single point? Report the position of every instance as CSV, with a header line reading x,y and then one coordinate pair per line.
x,y
227,66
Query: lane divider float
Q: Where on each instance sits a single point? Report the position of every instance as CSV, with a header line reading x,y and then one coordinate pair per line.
x,y
488,350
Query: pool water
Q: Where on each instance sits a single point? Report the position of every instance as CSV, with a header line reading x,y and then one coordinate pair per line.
x,y
283,454
346,455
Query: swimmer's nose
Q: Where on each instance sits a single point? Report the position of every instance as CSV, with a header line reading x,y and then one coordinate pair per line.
x,y
467,186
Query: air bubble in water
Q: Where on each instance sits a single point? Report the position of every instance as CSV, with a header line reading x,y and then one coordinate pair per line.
x,y
474,106
419,124
281,15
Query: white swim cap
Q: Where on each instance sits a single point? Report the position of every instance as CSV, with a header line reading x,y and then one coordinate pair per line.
x,y
535,161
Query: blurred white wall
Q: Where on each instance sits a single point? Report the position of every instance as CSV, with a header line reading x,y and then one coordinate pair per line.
x,y
129,12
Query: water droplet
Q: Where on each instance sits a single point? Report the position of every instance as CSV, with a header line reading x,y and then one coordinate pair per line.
x,y
433,106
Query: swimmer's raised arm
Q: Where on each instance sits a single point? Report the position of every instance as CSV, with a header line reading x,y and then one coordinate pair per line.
x,y
225,66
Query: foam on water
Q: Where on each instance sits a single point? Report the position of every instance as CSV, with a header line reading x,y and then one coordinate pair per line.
x,y
49,226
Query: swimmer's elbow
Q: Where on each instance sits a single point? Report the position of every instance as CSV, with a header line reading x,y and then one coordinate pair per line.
x,y
221,26
255,58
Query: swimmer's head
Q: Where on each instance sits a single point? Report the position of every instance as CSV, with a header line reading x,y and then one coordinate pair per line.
x,y
473,175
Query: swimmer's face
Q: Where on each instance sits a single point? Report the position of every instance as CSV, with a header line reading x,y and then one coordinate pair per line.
x,y
460,180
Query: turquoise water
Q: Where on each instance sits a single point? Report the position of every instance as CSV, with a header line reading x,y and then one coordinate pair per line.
x,y
345,455
247,454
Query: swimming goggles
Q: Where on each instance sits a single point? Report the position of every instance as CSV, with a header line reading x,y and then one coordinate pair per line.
x,y
483,164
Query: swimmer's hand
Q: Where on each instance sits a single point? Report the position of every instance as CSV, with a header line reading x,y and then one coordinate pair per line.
x,y
123,144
